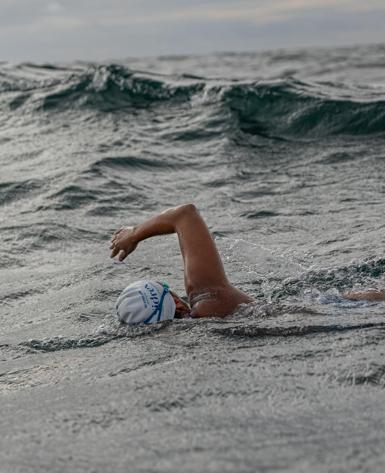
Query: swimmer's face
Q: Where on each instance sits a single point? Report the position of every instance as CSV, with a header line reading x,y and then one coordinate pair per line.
x,y
181,308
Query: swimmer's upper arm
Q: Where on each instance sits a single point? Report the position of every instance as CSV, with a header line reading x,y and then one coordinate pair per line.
x,y
203,267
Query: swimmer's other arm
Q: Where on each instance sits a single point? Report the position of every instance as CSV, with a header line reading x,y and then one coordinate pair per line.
x,y
369,295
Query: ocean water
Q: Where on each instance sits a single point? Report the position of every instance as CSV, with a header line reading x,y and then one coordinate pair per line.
x,y
283,152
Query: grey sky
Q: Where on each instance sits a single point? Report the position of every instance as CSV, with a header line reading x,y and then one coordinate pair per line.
x,y
62,30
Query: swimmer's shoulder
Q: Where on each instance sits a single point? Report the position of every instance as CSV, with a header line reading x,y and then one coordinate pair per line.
x,y
217,301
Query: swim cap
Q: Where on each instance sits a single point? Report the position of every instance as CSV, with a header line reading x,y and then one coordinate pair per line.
x,y
145,302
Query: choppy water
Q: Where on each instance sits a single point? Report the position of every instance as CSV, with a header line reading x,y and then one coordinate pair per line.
x,y
283,152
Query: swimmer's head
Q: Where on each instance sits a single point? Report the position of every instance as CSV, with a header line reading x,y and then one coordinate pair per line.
x,y
145,302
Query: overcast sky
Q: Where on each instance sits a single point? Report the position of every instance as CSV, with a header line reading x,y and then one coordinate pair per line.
x,y
62,30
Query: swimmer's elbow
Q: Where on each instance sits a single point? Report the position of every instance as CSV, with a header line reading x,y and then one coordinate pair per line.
x,y
188,208
180,213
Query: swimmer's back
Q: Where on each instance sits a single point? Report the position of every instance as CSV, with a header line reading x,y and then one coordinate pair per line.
x,y
217,302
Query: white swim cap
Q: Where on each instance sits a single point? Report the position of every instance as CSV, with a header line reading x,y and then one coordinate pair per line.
x,y
145,302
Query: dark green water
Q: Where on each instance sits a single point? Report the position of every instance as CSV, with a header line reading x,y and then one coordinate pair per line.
x,y
283,153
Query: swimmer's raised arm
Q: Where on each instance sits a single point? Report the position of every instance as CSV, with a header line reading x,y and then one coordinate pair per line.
x,y
369,295
203,265
203,269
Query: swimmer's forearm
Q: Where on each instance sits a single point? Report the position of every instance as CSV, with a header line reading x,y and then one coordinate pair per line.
x,y
125,240
370,295
163,223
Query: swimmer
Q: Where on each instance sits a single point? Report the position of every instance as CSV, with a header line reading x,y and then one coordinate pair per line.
x,y
210,294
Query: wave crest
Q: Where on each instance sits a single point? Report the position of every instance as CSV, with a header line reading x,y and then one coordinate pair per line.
x,y
114,87
286,108
293,108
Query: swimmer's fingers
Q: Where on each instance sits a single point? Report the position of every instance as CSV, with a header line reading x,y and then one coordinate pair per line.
x,y
115,237
118,231
122,243
122,254
113,242
115,234
114,252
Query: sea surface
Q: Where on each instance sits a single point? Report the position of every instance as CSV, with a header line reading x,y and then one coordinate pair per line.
x,y
283,152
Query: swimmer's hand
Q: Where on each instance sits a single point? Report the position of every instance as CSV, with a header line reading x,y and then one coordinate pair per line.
x,y
123,243
369,295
